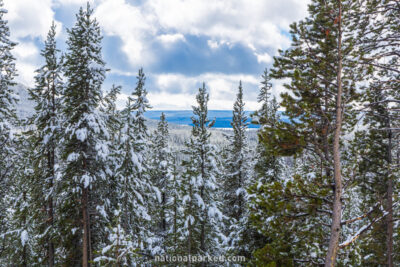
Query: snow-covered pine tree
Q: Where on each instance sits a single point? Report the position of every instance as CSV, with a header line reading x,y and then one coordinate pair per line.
x,y
202,227
8,117
141,143
267,166
114,124
190,206
131,174
378,33
372,154
111,112
20,245
46,134
160,168
236,180
119,251
174,205
83,178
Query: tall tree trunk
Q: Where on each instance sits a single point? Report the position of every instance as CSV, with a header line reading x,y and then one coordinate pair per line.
x,y
337,204
51,245
24,256
190,228
50,209
389,208
239,214
51,161
86,229
163,219
175,224
202,227
204,219
50,242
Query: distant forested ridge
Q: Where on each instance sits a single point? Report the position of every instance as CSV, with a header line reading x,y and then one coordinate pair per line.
x,y
84,183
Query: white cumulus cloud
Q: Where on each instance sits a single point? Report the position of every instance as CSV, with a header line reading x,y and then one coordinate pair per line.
x,y
74,2
177,91
28,20
171,38
264,58
132,24
257,24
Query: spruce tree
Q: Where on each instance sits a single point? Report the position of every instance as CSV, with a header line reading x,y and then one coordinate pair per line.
x,y
132,181
236,180
20,243
268,168
130,186
111,112
8,118
114,125
379,42
174,205
201,229
160,171
47,121
140,104
84,144
373,157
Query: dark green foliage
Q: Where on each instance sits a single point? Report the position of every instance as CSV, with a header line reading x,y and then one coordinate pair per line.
x,y
201,226
84,141
237,177
301,197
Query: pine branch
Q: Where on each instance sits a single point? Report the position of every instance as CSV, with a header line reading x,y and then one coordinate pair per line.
x,y
363,215
362,230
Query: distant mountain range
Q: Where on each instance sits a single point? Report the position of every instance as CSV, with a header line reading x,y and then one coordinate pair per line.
x,y
222,118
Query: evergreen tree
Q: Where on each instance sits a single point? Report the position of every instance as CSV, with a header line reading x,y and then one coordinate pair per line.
x,y
131,187
120,250
201,229
236,180
174,206
47,122
268,168
114,125
84,151
373,155
131,176
8,118
379,42
322,72
109,108
160,169
267,165
140,144
20,246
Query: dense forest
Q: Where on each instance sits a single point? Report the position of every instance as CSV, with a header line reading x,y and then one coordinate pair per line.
x,y
83,183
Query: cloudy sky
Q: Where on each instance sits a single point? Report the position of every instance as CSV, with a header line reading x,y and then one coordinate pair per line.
x,y
179,43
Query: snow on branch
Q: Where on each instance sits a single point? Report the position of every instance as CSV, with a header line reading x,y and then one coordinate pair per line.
x,y
363,229
377,205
